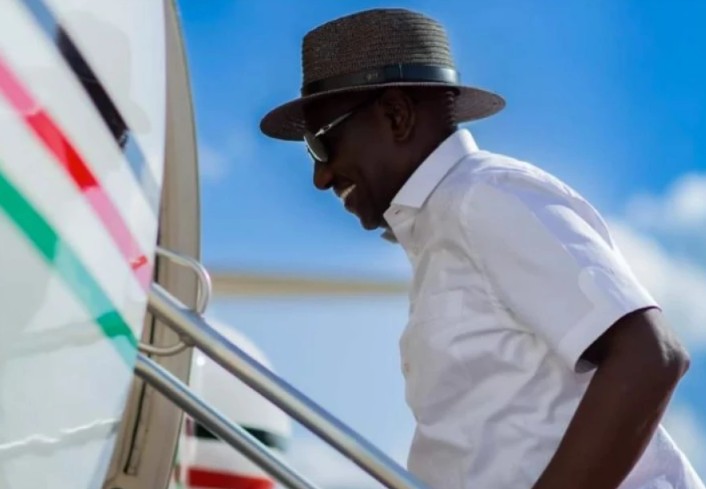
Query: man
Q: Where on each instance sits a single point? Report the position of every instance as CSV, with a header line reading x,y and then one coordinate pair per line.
x,y
532,357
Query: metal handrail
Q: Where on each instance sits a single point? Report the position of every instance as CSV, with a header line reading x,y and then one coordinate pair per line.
x,y
187,322
205,289
180,394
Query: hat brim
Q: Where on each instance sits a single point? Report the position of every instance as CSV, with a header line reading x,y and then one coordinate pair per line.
x,y
287,121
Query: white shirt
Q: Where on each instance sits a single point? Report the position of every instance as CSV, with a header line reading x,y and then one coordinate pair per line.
x,y
515,275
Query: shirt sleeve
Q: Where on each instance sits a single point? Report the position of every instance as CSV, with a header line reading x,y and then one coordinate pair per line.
x,y
551,263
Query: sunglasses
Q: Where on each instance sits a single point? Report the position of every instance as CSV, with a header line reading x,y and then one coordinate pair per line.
x,y
316,146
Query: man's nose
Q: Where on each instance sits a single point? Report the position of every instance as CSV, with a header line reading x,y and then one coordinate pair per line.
x,y
323,176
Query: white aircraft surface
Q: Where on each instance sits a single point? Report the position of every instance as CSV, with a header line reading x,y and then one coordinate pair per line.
x,y
99,175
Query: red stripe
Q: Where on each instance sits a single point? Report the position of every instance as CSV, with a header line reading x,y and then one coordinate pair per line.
x,y
69,159
214,479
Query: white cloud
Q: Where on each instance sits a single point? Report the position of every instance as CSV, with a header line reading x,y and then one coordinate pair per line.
x,y
677,218
678,285
236,150
213,163
328,469
686,427
681,209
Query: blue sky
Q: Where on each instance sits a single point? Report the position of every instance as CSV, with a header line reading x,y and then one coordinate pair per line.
x,y
606,95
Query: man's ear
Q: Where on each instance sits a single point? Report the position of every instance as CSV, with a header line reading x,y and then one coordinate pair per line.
x,y
399,112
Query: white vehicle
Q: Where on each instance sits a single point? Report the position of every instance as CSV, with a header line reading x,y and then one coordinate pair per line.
x,y
99,199
97,167
206,462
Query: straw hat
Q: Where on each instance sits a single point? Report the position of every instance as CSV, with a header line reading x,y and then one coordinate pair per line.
x,y
374,49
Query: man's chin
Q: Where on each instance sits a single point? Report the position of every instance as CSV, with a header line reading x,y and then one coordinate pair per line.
x,y
369,219
370,224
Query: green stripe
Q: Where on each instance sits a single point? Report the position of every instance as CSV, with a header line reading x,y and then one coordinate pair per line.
x,y
69,267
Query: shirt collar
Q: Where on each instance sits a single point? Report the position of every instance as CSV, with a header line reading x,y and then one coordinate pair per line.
x,y
427,176
434,168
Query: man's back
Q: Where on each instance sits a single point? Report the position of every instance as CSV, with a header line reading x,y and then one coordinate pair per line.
x,y
510,269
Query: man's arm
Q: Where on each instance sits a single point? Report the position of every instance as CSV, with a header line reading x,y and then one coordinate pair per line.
x,y
535,242
639,363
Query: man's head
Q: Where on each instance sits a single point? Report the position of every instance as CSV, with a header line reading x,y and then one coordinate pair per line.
x,y
380,92
375,143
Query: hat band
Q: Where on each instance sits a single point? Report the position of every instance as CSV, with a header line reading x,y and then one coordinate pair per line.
x,y
385,74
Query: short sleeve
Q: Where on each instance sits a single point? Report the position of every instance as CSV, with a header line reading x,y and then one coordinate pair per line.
x,y
551,263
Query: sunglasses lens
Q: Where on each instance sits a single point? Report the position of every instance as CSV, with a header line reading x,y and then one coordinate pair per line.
x,y
316,147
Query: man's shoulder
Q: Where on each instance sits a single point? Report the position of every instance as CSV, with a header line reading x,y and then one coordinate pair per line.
x,y
511,176
488,187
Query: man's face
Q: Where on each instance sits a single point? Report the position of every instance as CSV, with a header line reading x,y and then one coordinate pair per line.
x,y
362,166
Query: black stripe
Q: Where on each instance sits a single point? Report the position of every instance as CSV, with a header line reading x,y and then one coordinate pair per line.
x,y
110,114
265,437
410,72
